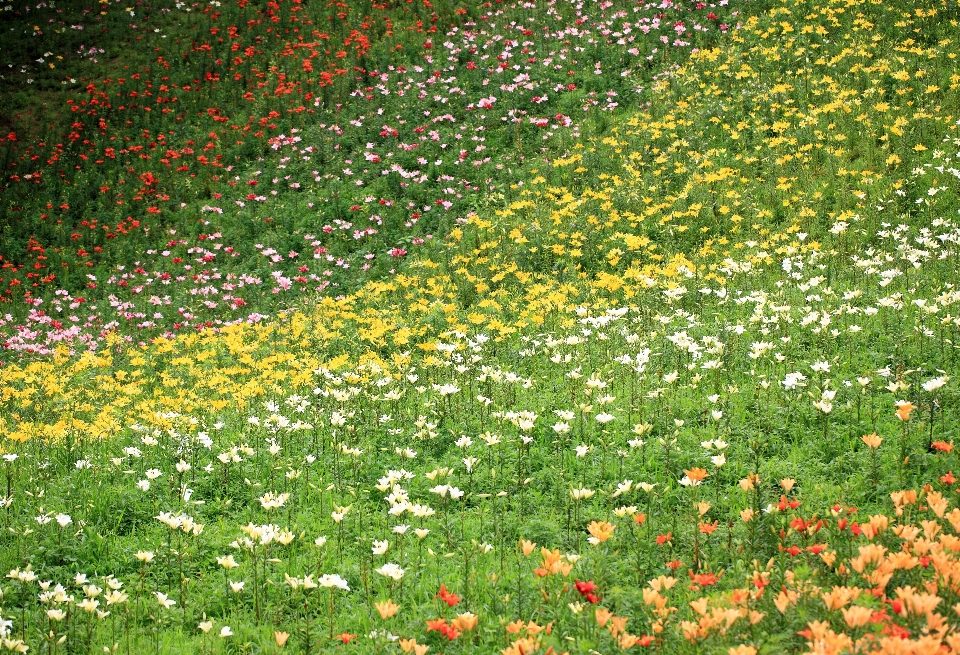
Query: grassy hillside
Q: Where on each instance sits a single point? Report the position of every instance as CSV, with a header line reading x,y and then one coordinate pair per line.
x,y
219,161
687,383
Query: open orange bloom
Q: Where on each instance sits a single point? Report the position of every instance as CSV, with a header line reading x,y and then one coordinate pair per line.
x,y
465,622
903,410
697,474
872,440
386,608
411,646
602,615
600,531
709,528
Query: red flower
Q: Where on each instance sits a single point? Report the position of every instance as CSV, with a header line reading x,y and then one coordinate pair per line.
x,y
942,446
703,579
585,587
586,590
450,599
440,625
948,478
346,637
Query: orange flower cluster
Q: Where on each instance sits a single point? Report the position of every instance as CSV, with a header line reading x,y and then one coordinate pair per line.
x,y
553,563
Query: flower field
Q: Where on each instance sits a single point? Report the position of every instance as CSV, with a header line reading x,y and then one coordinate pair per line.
x,y
269,154
662,360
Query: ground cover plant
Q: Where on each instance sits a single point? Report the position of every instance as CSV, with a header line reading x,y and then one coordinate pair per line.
x,y
688,385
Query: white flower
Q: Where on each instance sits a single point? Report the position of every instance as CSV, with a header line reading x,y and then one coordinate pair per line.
x,y
64,520
329,581
824,406
271,500
604,418
380,547
932,385
391,570
167,603
56,615
582,493
225,631
227,562
622,488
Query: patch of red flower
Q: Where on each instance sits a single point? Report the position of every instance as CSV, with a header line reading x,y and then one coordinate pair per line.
x,y
346,637
785,503
440,625
791,550
586,590
703,579
449,598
